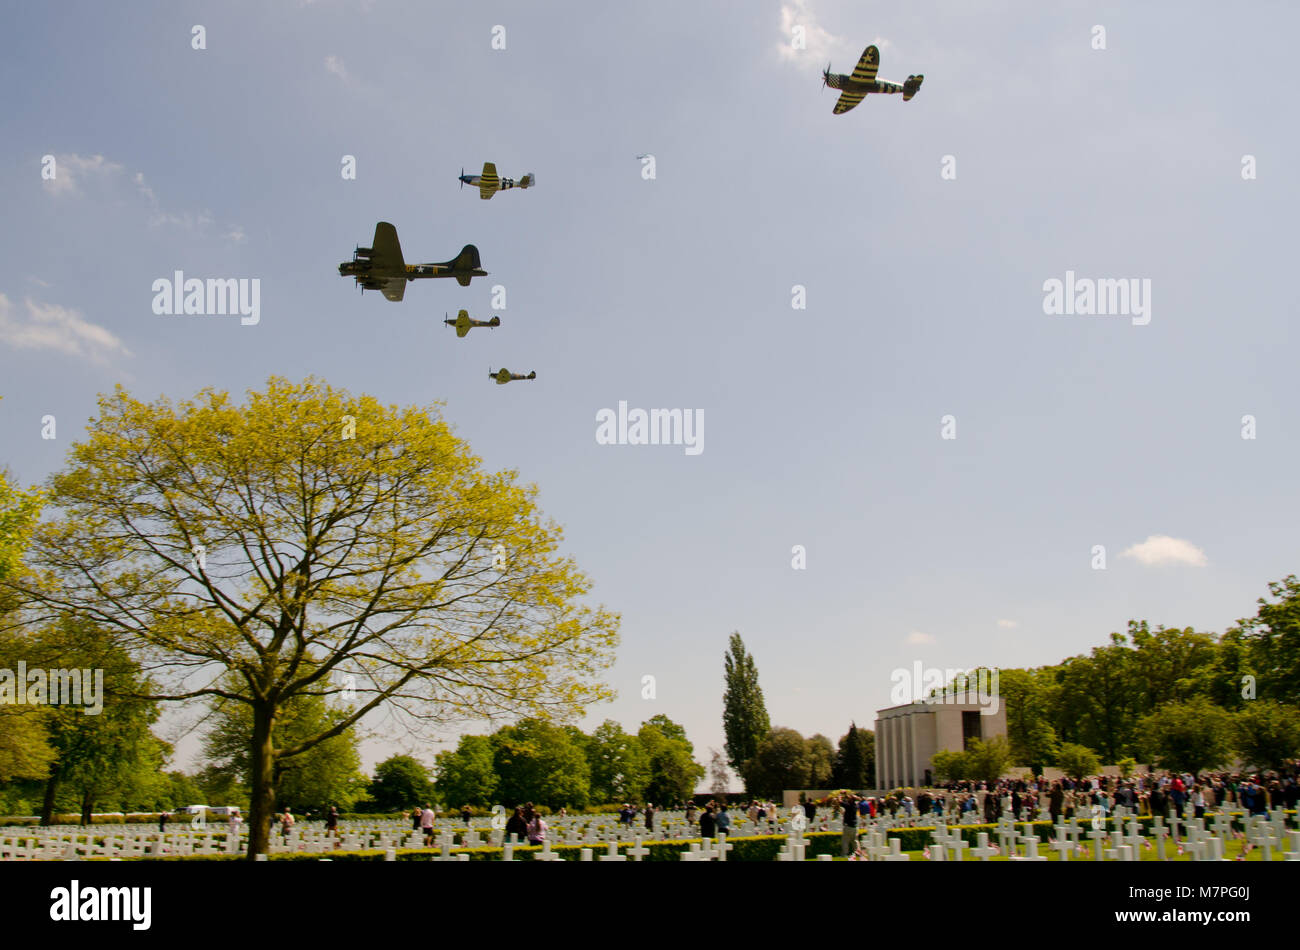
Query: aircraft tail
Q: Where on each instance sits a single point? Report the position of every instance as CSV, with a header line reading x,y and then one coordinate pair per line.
x,y
912,86
528,180
467,259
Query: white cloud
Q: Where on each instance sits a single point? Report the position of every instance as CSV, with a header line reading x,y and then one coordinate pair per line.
x,y
819,43
1008,624
51,327
917,638
1162,549
335,65
71,171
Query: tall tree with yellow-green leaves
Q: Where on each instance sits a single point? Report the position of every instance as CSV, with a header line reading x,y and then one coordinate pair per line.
x,y
24,751
310,542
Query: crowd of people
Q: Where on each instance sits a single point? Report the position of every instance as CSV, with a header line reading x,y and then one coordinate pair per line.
x,y
1185,795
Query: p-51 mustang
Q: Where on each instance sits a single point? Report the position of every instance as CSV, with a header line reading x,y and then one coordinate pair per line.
x,y
489,183
503,376
863,82
381,267
464,324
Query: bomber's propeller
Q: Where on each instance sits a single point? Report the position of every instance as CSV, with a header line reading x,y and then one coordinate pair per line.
x,y
462,176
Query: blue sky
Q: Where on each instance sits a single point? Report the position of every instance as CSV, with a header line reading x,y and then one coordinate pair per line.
x,y
822,425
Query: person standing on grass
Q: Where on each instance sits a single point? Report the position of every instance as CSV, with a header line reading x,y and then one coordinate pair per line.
x,y
708,824
849,835
515,825
536,830
426,825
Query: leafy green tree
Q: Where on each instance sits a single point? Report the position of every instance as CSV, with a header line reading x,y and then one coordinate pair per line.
x,y
620,767
854,765
988,759
216,786
539,762
781,762
821,760
96,755
1077,761
1190,736
312,542
1273,635
25,751
402,781
327,773
950,765
1266,734
745,722
1027,697
673,769
466,775
18,514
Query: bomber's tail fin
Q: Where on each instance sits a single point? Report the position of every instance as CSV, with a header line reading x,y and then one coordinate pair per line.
x,y
467,259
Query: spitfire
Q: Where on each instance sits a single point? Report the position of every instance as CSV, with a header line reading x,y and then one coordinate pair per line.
x,y
381,266
489,183
464,324
503,376
863,82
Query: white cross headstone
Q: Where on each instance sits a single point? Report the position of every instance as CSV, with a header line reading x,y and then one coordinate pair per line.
x,y
983,849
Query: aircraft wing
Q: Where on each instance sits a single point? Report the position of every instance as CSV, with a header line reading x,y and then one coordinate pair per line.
x,y
393,288
847,101
490,182
867,66
386,255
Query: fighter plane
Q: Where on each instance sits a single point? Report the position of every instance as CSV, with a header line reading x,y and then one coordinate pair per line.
x,y
464,324
854,88
489,183
381,267
503,375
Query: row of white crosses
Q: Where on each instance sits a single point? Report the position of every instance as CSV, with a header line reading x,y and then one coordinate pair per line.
x,y
1266,832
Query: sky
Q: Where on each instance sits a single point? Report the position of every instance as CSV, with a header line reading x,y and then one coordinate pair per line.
x,y
1114,141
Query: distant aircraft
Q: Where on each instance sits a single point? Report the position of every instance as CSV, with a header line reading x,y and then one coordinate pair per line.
x,y
854,88
489,183
381,267
503,376
464,324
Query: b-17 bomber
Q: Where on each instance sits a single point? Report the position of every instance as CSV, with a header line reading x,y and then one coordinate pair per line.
x,y
489,183
463,323
381,266
863,82
503,376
